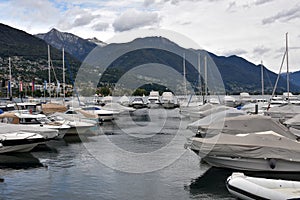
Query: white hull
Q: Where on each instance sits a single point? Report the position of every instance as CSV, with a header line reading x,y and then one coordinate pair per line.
x,y
62,132
18,148
106,117
250,164
77,130
248,188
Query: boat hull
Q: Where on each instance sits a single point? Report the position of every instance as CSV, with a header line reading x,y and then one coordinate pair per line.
x,y
250,164
106,117
18,148
78,130
245,187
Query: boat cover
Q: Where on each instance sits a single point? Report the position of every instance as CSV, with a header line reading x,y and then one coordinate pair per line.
x,y
295,121
249,124
265,145
283,111
214,117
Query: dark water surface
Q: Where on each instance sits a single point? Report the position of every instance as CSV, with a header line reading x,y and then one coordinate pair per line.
x,y
94,169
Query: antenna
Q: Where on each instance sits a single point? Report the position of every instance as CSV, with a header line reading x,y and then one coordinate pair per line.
x,y
262,78
287,67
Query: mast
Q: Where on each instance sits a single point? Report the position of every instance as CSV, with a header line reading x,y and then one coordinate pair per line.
x,y
287,67
64,78
199,75
262,79
205,76
184,75
10,88
49,72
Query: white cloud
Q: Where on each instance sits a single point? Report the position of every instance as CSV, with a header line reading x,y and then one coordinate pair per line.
x,y
261,50
260,2
148,2
132,19
100,26
285,15
84,19
253,29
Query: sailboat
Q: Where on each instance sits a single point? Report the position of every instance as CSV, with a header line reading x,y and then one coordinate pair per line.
x,y
288,110
52,107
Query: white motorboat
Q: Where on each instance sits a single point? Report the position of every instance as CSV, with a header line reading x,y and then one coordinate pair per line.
x,y
245,98
45,132
275,101
33,121
154,99
290,98
19,141
116,107
138,102
248,188
77,126
104,115
260,151
168,100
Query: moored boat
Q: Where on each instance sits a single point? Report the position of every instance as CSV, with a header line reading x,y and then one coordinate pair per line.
x,y
33,121
104,115
19,141
138,102
246,187
260,151
168,100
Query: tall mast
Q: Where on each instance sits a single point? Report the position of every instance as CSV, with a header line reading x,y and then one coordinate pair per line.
x,y
184,75
287,67
49,72
199,75
64,78
205,75
262,78
10,88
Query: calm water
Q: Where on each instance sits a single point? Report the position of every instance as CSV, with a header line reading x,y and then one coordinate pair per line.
x,y
139,156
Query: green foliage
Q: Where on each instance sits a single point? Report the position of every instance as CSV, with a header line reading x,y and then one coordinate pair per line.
x,y
104,91
140,92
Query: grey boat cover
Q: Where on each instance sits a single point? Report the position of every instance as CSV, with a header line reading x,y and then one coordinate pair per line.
x,y
285,111
214,117
249,124
263,145
294,121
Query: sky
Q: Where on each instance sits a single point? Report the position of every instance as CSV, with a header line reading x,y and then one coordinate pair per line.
x,y
252,29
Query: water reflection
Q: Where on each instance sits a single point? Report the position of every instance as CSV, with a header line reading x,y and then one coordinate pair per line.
x,y
19,161
210,185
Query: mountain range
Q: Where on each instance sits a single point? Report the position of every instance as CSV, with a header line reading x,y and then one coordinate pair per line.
x,y
30,54
76,46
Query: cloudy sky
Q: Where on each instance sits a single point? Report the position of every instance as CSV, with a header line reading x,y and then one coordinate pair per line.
x,y
252,29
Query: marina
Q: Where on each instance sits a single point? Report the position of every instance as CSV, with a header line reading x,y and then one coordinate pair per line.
x,y
147,112
145,146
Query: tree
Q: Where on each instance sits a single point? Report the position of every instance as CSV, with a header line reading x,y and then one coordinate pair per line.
x,y
104,91
140,92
